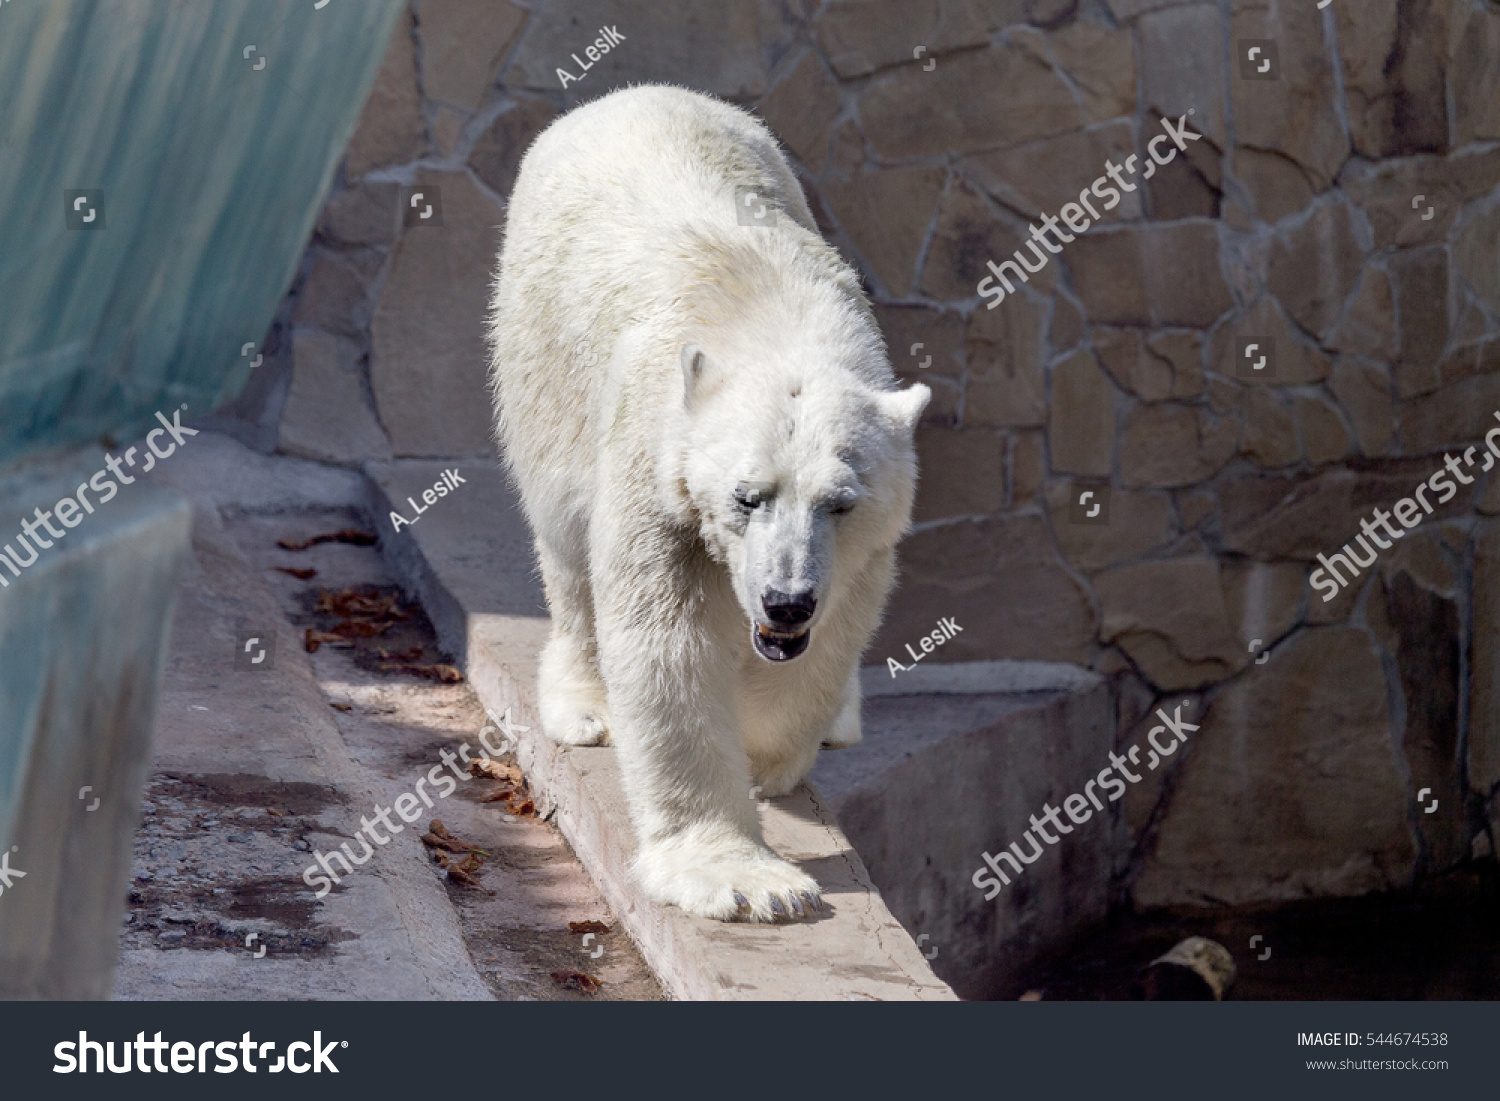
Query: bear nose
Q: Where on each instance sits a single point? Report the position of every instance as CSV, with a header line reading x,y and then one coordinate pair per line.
x,y
788,609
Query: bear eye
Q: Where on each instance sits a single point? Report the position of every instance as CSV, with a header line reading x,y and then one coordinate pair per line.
x,y
841,503
749,499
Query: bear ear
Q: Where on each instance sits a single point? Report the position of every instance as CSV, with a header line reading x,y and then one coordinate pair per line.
x,y
903,407
696,373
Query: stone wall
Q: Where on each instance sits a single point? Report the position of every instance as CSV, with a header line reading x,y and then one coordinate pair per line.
x,y
1340,210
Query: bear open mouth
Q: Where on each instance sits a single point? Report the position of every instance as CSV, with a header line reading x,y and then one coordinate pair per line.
x,y
777,645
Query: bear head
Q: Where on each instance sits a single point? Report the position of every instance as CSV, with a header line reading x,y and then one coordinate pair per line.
x,y
799,463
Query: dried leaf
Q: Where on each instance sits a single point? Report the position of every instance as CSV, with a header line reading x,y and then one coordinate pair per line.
x,y
576,980
273,810
353,604
501,796
587,927
405,655
352,536
313,639
438,837
356,629
446,674
495,770
525,810
342,706
464,879
470,864
301,573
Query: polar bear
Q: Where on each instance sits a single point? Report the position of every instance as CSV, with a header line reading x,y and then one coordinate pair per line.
x,y
716,465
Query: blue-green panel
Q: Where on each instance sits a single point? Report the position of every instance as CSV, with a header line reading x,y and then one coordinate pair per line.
x,y
212,173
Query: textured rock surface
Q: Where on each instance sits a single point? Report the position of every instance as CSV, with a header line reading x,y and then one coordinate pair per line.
x,y
976,100
1169,616
464,42
391,128
718,46
1005,584
1151,275
1083,417
327,414
887,215
496,156
1484,658
859,37
429,361
1292,787
1421,621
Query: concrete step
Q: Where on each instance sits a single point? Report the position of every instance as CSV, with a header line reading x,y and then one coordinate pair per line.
x,y
211,862
954,760
258,770
469,559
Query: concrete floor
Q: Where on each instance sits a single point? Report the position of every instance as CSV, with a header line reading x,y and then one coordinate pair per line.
x,y
257,767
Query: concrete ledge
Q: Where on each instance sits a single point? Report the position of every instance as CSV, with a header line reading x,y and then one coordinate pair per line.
x,y
468,555
977,678
953,763
471,559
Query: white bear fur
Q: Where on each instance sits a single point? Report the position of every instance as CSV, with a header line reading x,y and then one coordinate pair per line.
x,y
622,249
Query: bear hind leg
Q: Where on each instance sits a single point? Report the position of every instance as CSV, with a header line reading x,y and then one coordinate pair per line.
x,y
574,705
845,730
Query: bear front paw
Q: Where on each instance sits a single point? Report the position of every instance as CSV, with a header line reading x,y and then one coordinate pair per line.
x,y
571,727
574,703
742,886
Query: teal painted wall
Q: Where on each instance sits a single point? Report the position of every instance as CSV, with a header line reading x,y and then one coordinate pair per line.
x,y
212,174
